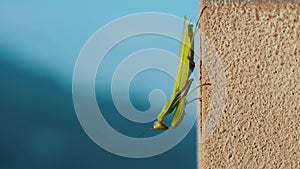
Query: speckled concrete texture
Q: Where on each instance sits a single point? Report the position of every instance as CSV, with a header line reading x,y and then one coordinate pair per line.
x,y
257,44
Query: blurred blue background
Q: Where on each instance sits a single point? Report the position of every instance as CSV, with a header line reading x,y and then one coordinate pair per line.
x,y
39,45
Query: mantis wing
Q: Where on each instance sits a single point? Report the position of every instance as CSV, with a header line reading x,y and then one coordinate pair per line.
x,y
186,62
185,67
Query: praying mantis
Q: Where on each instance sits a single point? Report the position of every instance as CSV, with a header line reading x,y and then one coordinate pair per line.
x,y
185,67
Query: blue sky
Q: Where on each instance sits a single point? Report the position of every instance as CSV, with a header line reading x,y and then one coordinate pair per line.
x,y
39,44
52,33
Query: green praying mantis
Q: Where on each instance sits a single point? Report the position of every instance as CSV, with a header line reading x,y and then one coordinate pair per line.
x,y
185,67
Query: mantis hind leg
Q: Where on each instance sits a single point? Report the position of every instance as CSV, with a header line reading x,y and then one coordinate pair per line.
x,y
193,90
190,101
199,86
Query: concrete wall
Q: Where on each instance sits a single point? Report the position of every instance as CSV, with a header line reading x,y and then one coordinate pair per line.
x,y
250,115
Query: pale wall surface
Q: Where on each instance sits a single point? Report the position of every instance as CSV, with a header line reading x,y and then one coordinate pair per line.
x,y
253,49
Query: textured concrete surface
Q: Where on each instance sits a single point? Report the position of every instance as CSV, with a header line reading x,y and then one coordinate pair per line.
x,y
251,113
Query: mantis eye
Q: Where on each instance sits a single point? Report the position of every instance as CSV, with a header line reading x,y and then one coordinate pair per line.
x,y
159,126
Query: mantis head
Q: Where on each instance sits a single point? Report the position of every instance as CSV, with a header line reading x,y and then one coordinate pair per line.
x,y
159,126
